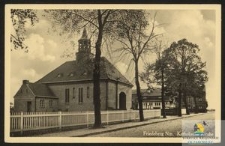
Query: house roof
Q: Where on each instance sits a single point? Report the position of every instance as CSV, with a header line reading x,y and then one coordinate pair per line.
x,y
155,98
41,90
147,92
153,95
83,71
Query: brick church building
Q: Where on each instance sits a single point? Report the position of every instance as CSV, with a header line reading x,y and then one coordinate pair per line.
x,y
69,87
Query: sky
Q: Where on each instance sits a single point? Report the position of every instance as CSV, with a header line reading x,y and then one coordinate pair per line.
x,y
46,47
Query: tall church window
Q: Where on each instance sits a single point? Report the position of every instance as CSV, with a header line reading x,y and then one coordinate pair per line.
x,y
50,103
74,92
88,92
80,100
67,96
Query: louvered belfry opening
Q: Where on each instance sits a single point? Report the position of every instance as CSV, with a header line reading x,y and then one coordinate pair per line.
x,y
84,47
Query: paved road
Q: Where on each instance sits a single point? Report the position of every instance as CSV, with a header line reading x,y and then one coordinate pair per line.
x,y
169,128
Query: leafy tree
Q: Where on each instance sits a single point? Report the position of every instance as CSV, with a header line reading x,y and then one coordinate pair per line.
x,y
198,90
180,68
187,74
19,18
101,23
131,33
206,104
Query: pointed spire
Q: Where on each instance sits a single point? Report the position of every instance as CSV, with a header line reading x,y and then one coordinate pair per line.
x,y
84,34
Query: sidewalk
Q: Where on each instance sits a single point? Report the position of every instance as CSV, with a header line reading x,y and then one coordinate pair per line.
x,y
108,128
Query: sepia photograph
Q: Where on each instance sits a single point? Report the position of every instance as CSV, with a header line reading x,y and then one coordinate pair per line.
x,y
113,73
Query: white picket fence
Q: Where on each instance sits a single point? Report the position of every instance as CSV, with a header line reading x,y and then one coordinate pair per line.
x,y
44,120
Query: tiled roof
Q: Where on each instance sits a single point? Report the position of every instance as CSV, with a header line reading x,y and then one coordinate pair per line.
x,y
147,92
40,90
81,71
155,98
154,94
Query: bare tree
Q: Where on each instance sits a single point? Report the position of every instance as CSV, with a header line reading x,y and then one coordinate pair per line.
x,y
101,23
136,40
155,72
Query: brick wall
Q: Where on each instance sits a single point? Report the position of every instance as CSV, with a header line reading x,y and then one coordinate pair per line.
x,y
87,104
60,104
74,104
20,104
47,106
112,95
128,92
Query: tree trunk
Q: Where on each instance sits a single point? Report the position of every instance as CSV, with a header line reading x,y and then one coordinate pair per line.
x,y
196,106
185,101
96,75
179,102
163,101
141,115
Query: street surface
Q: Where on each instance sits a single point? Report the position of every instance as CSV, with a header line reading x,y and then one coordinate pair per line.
x,y
171,128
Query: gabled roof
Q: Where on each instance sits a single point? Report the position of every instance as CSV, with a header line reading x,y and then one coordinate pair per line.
x,y
41,90
83,71
153,94
147,92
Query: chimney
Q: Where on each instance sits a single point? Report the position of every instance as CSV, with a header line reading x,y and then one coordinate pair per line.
x,y
25,81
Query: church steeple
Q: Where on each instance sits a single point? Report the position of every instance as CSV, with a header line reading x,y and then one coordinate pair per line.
x,y
84,49
84,34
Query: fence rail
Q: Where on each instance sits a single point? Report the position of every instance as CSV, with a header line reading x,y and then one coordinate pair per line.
x,y
26,121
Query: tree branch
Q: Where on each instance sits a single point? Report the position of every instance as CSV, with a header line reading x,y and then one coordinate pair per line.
x,y
106,17
85,19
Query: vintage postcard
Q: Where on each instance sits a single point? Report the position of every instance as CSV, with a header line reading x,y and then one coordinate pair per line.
x,y
84,73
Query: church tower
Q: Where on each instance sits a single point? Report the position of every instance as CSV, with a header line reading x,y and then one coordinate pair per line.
x,y
84,48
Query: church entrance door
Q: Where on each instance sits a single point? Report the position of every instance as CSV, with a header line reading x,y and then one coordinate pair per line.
x,y
122,101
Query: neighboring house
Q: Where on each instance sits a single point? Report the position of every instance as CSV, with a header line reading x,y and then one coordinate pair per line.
x,y
200,101
201,104
152,99
69,87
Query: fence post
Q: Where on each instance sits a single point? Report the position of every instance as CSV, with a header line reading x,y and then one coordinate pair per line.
x,y
107,118
135,113
122,115
87,119
130,115
60,120
21,123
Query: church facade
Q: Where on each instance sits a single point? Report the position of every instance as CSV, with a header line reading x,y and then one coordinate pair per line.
x,y
69,87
